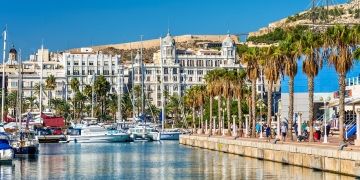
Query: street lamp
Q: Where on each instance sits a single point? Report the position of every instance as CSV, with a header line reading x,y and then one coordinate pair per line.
x,y
234,127
260,104
325,117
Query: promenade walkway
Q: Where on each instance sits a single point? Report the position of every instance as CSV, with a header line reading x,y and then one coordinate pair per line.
x,y
333,142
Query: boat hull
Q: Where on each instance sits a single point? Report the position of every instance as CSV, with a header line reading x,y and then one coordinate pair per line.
x,y
51,138
169,135
6,155
30,150
155,136
100,139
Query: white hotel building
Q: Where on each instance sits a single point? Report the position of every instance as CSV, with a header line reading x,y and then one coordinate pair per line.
x,y
86,64
182,68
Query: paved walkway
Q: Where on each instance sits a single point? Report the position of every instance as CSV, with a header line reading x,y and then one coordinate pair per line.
x,y
333,142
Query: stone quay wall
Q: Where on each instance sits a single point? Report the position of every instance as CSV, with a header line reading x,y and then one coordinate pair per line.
x,y
330,159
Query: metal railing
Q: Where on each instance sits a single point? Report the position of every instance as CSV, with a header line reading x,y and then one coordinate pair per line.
x,y
353,81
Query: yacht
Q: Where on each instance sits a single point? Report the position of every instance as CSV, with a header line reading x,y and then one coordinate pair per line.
x,y
144,132
171,134
96,134
25,142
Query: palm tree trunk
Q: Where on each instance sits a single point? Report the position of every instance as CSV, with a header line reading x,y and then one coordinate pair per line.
x,y
253,107
240,115
341,106
219,114
228,112
202,118
211,111
291,107
311,107
269,102
193,117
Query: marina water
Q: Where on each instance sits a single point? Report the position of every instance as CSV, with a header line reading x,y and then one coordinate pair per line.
x,y
147,160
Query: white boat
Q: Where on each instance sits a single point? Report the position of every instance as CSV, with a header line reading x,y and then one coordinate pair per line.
x,y
96,134
172,134
144,132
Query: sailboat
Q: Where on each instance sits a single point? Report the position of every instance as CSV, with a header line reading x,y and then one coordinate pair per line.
x,y
25,140
169,134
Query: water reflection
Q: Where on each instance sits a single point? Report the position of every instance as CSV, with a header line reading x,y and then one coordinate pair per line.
x,y
167,160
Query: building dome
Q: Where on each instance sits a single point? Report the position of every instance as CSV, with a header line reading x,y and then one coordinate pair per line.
x,y
228,42
13,50
168,40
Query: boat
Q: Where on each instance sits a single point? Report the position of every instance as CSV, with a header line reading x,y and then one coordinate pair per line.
x,y
96,134
172,134
6,151
144,133
25,143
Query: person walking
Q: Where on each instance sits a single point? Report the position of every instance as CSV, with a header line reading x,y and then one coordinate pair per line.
x,y
268,132
283,131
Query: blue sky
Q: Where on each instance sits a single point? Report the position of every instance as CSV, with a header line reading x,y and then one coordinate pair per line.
x,y
64,24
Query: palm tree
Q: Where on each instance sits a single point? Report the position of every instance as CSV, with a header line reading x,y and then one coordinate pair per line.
x,y
289,47
251,58
272,70
137,94
238,84
310,48
200,101
12,100
228,79
102,87
31,100
74,85
218,91
50,85
191,101
210,78
339,42
80,100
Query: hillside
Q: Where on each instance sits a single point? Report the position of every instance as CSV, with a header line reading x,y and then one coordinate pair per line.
x,y
347,13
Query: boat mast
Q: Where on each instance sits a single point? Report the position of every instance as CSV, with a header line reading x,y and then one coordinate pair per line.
x,y
20,88
133,84
162,88
142,82
3,77
120,93
41,77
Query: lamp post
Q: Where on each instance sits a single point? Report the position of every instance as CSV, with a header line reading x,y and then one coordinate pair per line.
x,y
223,122
357,141
260,104
247,125
214,125
234,126
278,126
325,117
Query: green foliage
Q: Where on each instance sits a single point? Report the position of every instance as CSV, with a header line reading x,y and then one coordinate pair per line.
x,y
273,37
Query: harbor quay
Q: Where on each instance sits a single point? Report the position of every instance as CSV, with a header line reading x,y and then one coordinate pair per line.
x,y
329,157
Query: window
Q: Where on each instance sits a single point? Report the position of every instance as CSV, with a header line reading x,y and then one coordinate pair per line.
x,y
148,71
68,63
83,72
76,63
166,78
148,78
190,71
200,79
106,72
166,71
91,63
174,78
174,71
68,72
200,72
83,63
76,72
14,84
190,79
176,88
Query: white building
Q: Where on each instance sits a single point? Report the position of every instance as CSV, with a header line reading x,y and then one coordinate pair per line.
x,y
182,68
86,64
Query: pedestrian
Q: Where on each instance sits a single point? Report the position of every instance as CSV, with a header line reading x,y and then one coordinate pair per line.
x,y
258,128
283,131
268,132
295,126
